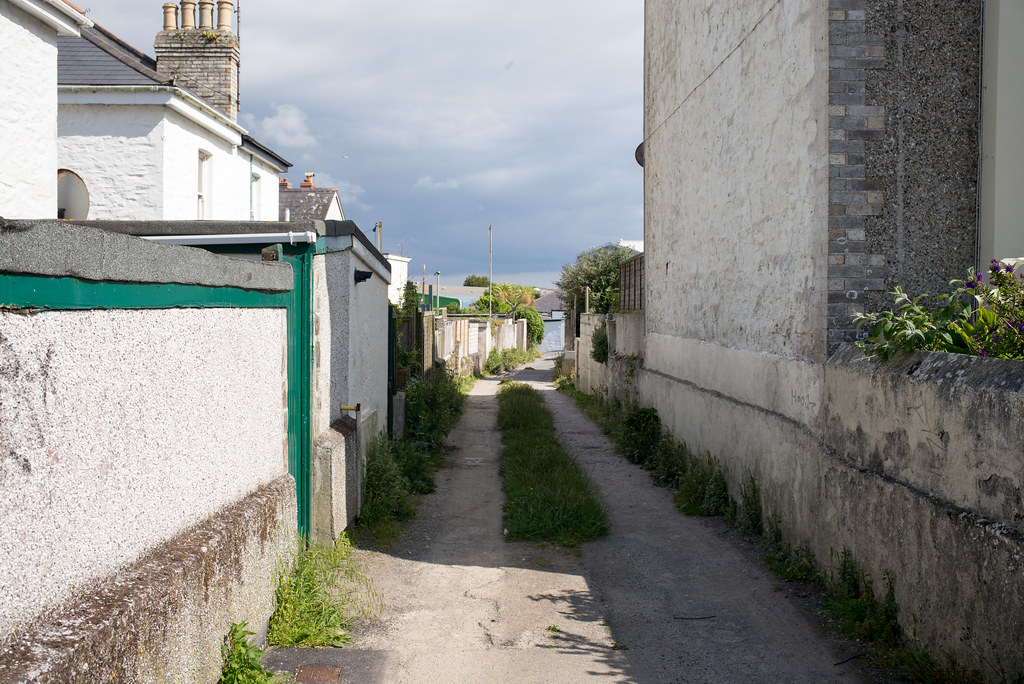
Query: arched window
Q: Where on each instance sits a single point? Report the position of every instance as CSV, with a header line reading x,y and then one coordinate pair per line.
x,y
72,196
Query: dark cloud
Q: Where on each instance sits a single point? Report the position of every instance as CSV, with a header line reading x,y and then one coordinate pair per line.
x,y
440,118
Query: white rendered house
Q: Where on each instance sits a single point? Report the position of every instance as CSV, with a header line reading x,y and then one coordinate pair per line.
x,y
137,139
29,29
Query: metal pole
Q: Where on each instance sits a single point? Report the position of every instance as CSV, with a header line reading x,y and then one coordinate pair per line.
x,y
490,272
586,301
438,288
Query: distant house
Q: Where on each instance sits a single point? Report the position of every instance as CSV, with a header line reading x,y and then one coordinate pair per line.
x,y
152,139
549,304
29,31
308,202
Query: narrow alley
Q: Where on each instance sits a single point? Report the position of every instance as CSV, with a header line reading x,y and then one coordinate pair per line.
x,y
662,598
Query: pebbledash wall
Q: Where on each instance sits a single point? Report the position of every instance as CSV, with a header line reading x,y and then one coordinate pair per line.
x,y
146,495
914,464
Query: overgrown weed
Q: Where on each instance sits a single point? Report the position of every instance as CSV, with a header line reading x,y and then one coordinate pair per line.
x,y
319,598
242,660
548,497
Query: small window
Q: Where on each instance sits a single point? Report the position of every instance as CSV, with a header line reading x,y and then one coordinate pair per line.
x,y
204,203
72,196
255,197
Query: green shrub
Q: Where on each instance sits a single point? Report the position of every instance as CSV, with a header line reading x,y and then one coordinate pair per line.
x,y
703,489
534,325
780,557
641,434
317,601
851,599
385,488
433,403
980,318
599,344
242,659
748,518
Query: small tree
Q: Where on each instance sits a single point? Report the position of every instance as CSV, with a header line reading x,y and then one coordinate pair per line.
x,y
534,325
597,269
476,281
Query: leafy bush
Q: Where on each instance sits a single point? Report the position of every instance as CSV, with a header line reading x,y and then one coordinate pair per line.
x,y
316,602
974,318
499,361
385,488
748,519
433,403
242,659
599,344
703,489
534,325
782,559
641,435
851,598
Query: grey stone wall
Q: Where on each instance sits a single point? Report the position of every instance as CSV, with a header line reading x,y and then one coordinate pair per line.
x,y
904,89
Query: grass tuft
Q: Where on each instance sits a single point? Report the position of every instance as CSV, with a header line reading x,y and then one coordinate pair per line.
x,y
318,600
242,660
548,497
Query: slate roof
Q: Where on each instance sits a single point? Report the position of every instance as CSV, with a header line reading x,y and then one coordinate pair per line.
x,y
549,302
305,203
99,57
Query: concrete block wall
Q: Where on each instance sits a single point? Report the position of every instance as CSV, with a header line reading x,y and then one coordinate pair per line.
x,y
143,471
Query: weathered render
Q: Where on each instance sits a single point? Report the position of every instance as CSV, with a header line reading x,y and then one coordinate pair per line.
x,y
800,158
146,495
28,118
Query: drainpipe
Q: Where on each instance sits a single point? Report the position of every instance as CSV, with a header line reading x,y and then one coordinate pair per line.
x,y
290,237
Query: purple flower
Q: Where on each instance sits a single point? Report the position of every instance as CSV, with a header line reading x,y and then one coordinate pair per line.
x,y
981,278
1009,269
994,266
983,352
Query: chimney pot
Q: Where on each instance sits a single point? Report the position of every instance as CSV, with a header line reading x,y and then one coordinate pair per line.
x,y
170,16
206,15
308,183
188,14
224,10
285,183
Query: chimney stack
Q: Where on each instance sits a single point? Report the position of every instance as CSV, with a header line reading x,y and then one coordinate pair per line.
x,y
284,183
202,59
308,183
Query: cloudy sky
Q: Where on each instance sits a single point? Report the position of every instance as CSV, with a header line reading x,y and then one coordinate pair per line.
x,y
441,117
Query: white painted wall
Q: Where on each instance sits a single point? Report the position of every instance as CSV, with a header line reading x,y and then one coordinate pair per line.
x,y
117,153
399,277
140,160
736,174
123,428
1002,161
28,116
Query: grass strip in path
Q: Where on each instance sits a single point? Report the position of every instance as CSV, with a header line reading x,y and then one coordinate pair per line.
x,y
548,497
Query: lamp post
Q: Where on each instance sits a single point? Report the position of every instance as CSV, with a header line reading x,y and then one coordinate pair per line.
x,y
437,289
490,273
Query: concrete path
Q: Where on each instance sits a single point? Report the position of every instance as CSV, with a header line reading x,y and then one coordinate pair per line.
x,y
662,598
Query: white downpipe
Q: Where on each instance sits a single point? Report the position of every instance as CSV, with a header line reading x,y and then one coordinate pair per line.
x,y
234,238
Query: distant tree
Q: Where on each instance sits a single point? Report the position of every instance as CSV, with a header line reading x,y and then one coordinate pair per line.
x,y
597,269
410,301
534,325
453,307
508,297
476,281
